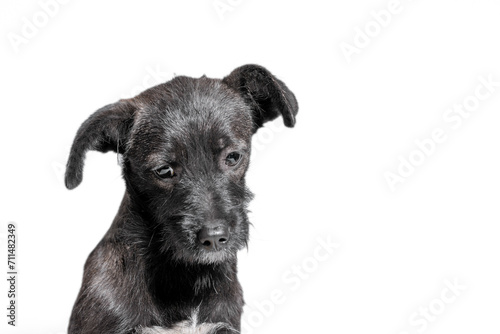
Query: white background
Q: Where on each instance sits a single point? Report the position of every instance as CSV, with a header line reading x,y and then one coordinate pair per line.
x,y
324,179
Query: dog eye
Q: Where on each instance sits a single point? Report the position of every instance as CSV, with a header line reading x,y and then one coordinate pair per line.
x,y
165,172
233,158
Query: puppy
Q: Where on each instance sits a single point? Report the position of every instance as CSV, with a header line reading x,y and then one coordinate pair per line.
x,y
168,262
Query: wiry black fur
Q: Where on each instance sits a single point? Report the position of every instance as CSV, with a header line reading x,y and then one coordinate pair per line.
x,y
150,269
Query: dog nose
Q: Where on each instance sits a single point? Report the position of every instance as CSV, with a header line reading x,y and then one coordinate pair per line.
x,y
213,237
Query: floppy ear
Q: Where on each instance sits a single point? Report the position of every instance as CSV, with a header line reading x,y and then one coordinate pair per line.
x,y
106,129
268,96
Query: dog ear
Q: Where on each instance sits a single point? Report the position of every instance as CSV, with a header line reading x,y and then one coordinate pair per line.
x,y
106,129
268,96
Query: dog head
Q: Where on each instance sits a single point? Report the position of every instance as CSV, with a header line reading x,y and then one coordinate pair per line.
x,y
186,148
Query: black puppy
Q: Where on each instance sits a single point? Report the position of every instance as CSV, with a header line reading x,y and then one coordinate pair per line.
x,y
168,262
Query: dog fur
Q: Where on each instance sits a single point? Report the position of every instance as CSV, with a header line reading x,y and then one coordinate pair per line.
x,y
185,148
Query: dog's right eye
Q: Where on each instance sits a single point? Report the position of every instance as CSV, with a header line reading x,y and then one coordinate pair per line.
x,y
165,172
233,159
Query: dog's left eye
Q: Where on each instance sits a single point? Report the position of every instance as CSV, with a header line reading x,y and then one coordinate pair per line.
x,y
233,158
165,172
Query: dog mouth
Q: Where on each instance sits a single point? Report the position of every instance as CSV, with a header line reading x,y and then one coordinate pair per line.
x,y
208,250
215,256
202,255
